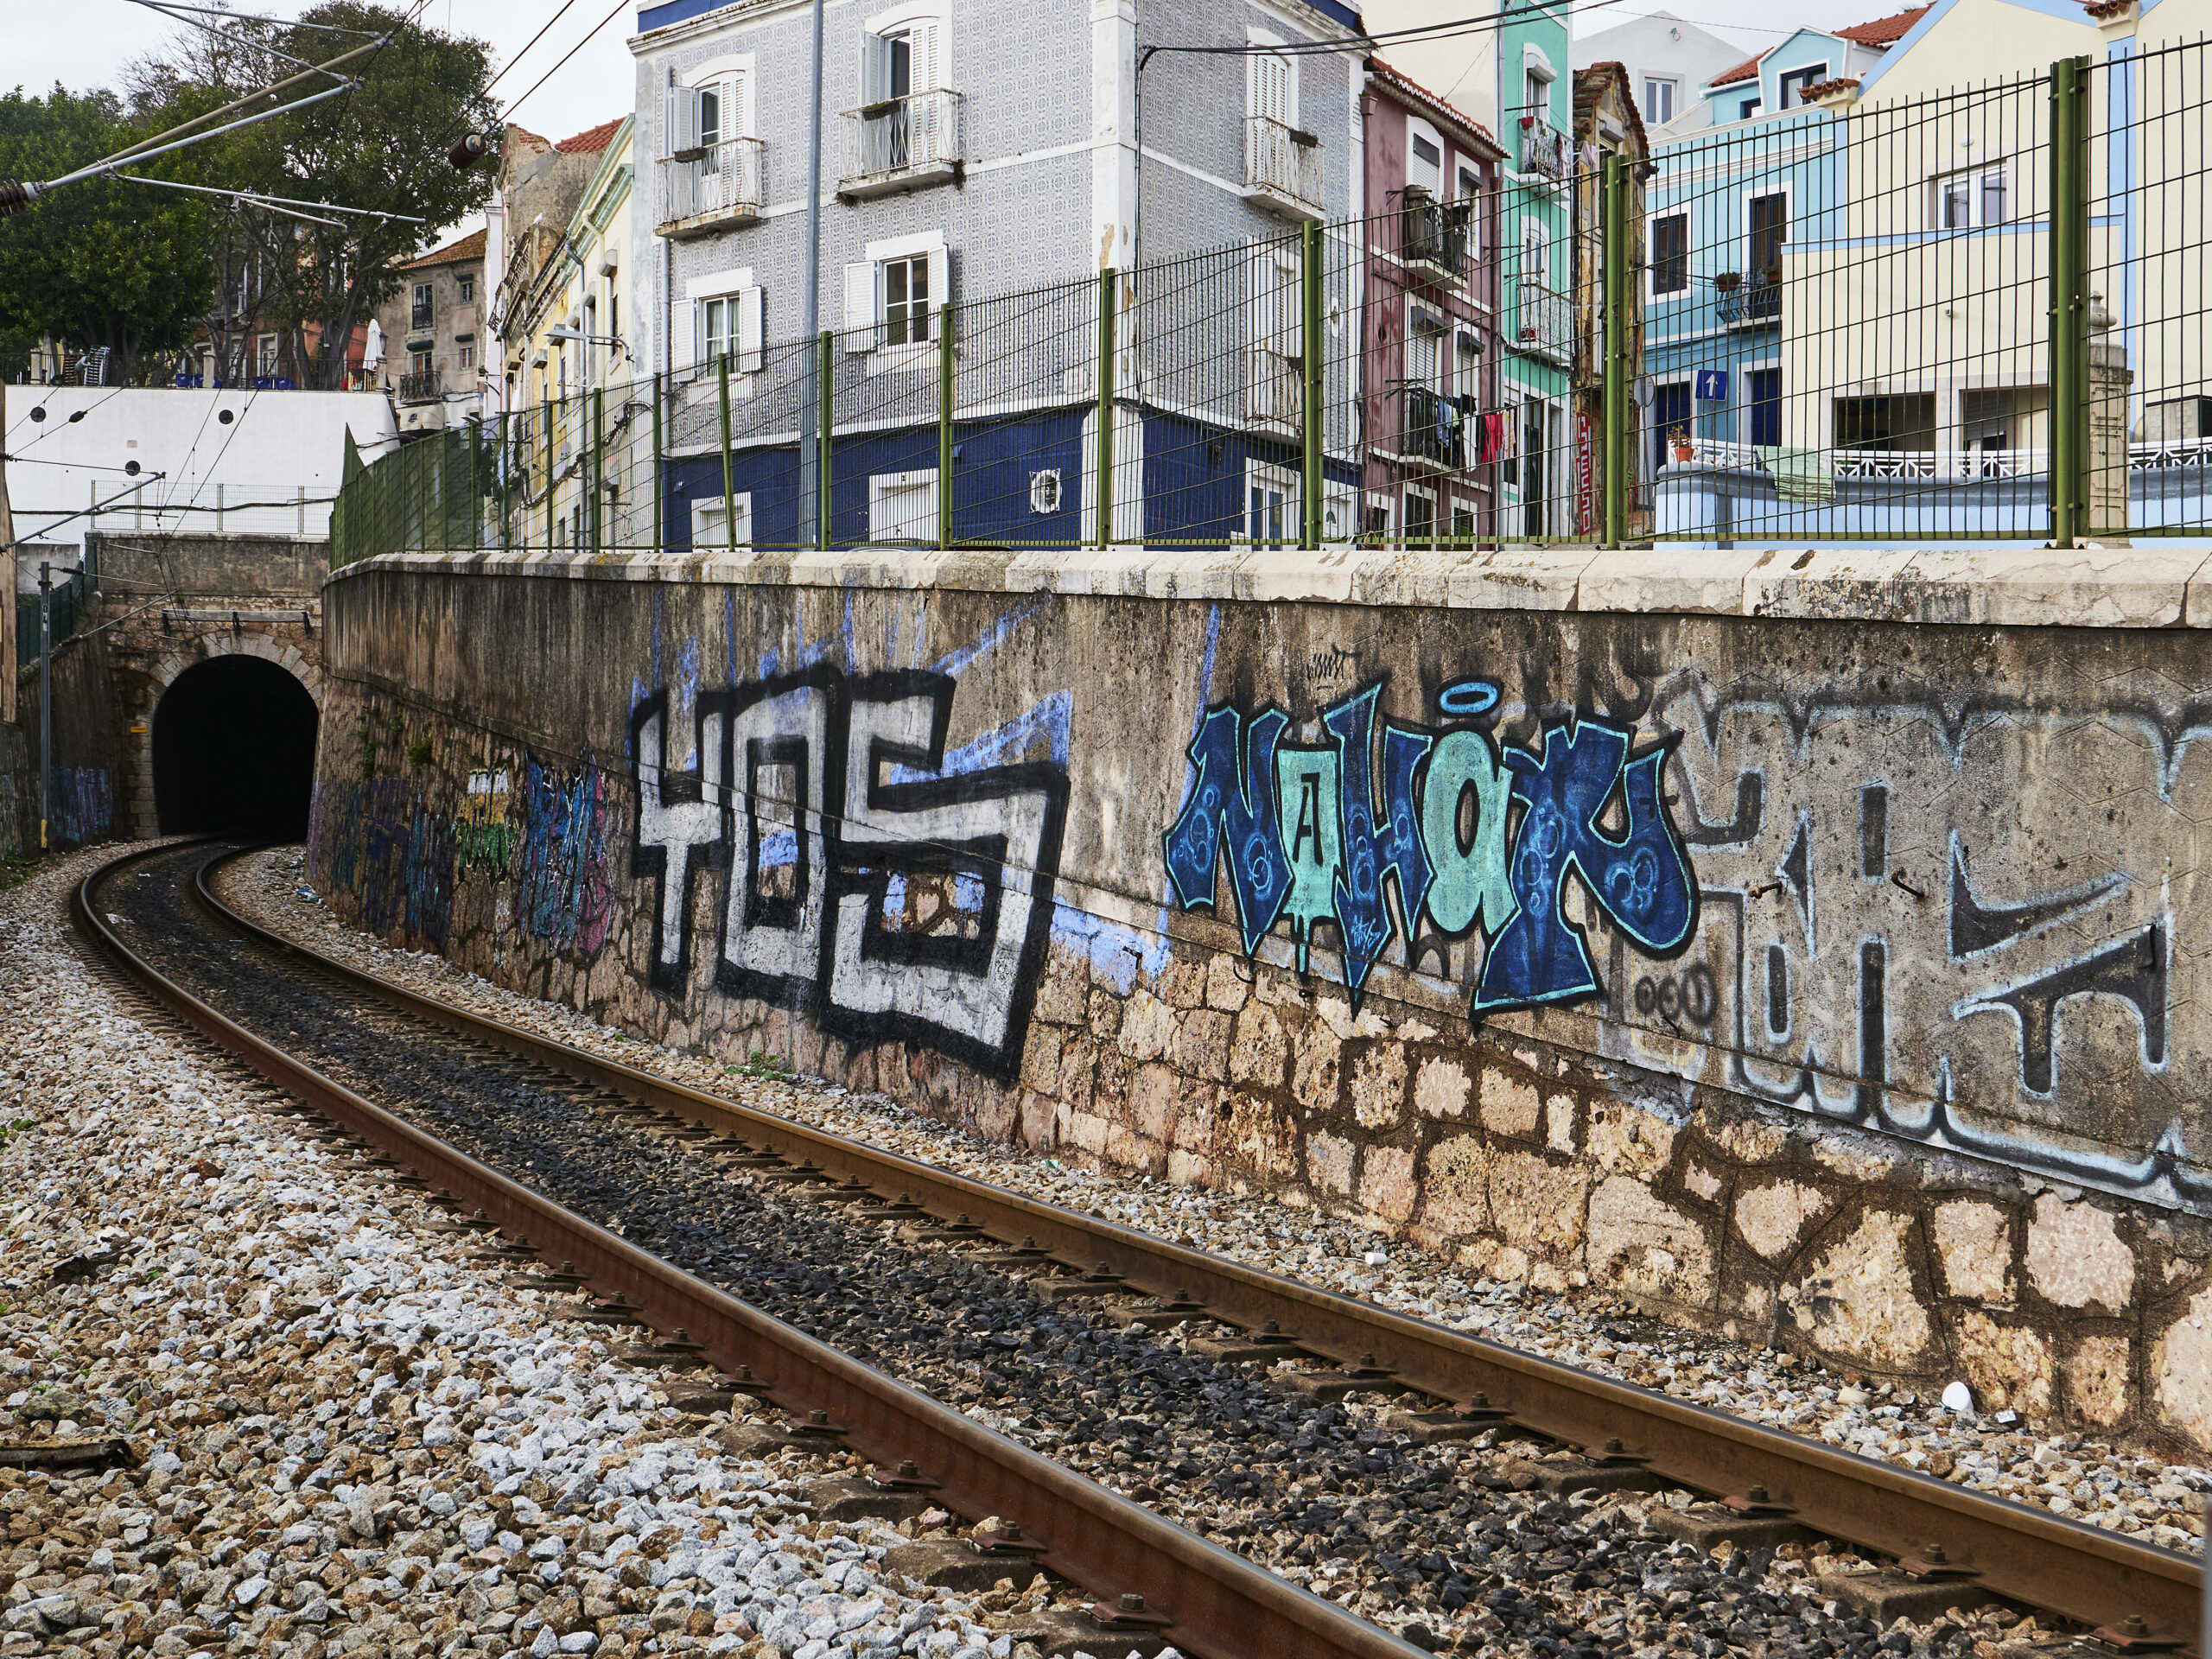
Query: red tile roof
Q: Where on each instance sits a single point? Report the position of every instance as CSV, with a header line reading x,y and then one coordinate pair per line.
x,y
1405,84
468,247
591,140
1883,31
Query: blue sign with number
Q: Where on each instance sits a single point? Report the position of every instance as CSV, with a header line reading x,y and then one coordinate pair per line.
x,y
1712,385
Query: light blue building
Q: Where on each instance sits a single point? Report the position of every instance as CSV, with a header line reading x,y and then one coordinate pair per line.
x,y
1741,174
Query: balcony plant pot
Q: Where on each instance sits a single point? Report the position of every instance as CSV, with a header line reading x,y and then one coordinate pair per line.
x,y
1727,282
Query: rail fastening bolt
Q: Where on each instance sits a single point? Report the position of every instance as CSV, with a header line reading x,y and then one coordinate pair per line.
x,y
1756,1495
1132,1602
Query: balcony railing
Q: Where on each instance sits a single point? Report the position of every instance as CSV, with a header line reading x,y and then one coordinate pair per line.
x,y
1545,150
1543,322
1282,169
1750,306
720,184
1435,429
901,144
422,387
1278,391
1432,236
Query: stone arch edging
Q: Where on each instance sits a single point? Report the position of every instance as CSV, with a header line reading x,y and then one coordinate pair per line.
x,y
174,660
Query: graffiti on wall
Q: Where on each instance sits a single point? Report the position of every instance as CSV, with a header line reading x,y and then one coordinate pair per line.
x,y
564,891
1467,832
80,807
890,890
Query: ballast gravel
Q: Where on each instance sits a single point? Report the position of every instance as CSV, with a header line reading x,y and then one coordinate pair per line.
x,y
2130,1490
342,1435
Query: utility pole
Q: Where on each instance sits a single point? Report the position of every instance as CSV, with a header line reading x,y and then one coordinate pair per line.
x,y
810,459
10,645
45,698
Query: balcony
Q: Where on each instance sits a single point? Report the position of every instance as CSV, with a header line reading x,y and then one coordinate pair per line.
x,y
716,187
422,387
1282,169
902,144
1278,392
1545,151
1435,430
1754,305
1543,322
1432,237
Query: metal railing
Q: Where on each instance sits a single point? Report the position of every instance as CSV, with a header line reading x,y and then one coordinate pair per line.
x,y
423,386
1545,151
1434,427
1543,321
1277,390
901,140
1749,304
724,181
1282,166
1433,235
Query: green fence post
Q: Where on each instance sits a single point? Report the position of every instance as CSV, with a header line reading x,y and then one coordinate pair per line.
x,y
944,426
821,471
1104,530
660,540
2069,311
1309,345
1615,229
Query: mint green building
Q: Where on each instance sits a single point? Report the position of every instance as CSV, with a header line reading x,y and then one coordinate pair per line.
x,y
1535,103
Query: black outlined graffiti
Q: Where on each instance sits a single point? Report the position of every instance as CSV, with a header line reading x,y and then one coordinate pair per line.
x,y
823,795
2132,969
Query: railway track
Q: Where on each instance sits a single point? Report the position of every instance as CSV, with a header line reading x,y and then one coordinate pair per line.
x,y
1950,1545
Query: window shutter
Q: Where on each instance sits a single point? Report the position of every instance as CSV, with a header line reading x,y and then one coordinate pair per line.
x,y
875,73
684,334
921,69
737,115
683,119
752,314
940,286
860,309
1290,307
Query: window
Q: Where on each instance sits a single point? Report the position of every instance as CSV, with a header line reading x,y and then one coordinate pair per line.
x,y
1466,365
418,362
1747,109
1470,189
1670,408
466,358
731,313
1378,523
709,520
419,316
1420,518
1463,526
468,285
1271,86
906,301
1270,504
1659,100
1789,86
902,506
1424,347
1535,251
1536,93
1670,254
1763,400
1766,226
1969,200
266,350
715,316
1424,162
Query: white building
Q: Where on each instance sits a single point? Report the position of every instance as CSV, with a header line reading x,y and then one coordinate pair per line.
x,y
1668,61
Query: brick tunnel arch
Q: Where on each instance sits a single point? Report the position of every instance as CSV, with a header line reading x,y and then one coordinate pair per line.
x,y
232,741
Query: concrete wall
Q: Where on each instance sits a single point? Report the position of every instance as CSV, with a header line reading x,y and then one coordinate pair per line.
x,y
1812,959
86,802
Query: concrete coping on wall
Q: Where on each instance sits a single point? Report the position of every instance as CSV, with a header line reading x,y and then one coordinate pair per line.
x,y
2094,585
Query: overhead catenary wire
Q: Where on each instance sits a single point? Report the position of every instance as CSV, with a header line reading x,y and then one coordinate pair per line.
x,y
558,63
278,204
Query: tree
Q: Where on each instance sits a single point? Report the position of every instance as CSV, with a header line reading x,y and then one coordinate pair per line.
x,y
382,145
104,262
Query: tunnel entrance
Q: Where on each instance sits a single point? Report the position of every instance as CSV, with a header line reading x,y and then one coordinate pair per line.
x,y
234,751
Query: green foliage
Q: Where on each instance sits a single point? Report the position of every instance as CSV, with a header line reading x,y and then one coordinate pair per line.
x,y
418,752
102,263
759,1064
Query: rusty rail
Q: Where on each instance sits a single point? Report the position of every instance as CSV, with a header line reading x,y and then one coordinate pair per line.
x,y
2028,1555
1217,1603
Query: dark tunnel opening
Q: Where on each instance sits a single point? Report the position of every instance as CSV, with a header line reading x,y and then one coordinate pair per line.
x,y
234,751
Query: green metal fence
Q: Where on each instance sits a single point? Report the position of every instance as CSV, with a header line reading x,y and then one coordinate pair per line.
x,y
1952,317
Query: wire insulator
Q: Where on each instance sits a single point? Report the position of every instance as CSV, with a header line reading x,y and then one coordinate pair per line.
x,y
15,197
467,150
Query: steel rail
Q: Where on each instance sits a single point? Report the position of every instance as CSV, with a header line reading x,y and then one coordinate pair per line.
x,y
2022,1553
1217,1603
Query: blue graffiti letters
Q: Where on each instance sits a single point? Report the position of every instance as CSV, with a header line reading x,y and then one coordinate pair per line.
x,y
1468,833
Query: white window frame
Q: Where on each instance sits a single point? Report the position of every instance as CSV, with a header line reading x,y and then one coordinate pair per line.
x,y
740,292
1739,387
929,14
707,516
1417,128
1536,64
1269,476
1263,40
1674,86
1426,323
882,485
265,356
1653,293
1785,189
1977,176
864,300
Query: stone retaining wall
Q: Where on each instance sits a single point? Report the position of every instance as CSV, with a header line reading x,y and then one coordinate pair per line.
x,y
1816,958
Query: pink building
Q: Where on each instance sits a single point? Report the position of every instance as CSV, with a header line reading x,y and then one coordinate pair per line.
x,y
1428,368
